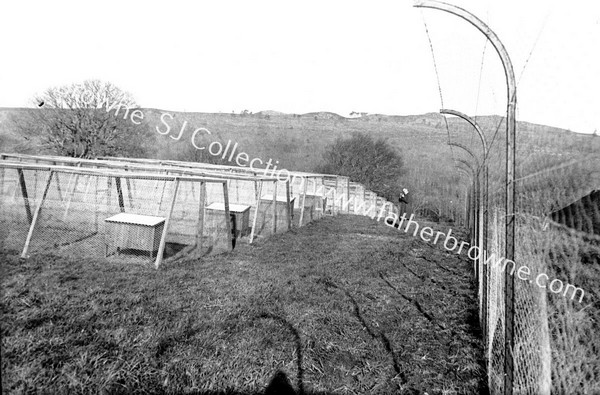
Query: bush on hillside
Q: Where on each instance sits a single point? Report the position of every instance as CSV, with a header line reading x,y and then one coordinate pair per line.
x,y
373,163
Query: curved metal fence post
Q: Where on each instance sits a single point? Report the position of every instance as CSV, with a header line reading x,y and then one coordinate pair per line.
x,y
510,175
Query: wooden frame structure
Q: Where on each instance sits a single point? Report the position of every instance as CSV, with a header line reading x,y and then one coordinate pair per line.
x,y
322,185
151,165
176,179
339,182
306,176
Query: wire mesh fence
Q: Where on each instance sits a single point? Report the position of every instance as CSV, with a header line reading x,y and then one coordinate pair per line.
x,y
311,195
557,221
552,317
128,211
243,190
536,223
85,212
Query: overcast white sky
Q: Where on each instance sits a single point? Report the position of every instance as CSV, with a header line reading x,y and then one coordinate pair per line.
x,y
310,55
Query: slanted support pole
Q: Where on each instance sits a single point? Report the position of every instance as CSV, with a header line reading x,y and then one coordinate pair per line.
x,y
162,194
227,215
163,238
36,215
258,189
303,203
70,199
58,187
130,192
120,194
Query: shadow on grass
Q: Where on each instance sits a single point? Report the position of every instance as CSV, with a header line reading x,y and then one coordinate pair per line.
x,y
387,345
172,250
279,383
382,337
472,321
415,302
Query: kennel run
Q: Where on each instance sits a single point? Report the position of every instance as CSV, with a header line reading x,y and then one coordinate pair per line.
x,y
156,209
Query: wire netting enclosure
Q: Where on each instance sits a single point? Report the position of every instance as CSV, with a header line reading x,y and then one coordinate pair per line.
x,y
85,212
243,189
318,188
357,193
312,195
533,213
149,210
552,315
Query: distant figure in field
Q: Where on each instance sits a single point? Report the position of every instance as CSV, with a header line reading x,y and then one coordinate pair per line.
x,y
403,200
403,196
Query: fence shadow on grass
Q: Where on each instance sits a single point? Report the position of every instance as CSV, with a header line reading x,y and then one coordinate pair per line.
x,y
387,345
471,320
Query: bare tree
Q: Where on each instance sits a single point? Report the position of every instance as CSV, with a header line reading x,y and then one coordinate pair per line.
x,y
86,120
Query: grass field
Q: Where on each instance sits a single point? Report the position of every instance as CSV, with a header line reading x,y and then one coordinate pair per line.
x,y
344,305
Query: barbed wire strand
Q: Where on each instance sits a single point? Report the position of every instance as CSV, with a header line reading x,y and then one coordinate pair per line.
x,y
525,65
437,75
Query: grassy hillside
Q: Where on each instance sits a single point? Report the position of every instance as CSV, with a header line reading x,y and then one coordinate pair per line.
x,y
297,142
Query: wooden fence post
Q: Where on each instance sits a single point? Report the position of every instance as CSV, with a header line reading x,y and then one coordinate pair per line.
x,y
36,215
120,194
24,194
161,248
200,228
274,207
303,203
258,194
227,215
287,197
